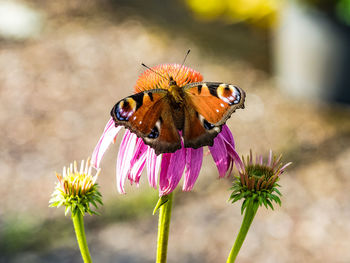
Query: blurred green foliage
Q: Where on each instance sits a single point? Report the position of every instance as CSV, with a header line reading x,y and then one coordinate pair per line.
x,y
343,11
19,234
131,207
337,8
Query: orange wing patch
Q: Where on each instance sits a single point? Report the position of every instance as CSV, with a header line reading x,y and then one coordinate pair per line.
x,y
148,115
215,101
131,112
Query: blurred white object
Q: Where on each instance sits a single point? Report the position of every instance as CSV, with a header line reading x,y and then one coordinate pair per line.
x,y
18,21
312,54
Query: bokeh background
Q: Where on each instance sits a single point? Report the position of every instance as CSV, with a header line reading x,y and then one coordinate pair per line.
x,y
63,65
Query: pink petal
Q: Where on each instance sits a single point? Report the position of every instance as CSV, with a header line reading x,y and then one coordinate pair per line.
x,y
233,158
125,156
224,153
138,161
227,135
172,167
270,158
107,137
194,158
137,168
140,148
153,163
166,157
219,153
285,166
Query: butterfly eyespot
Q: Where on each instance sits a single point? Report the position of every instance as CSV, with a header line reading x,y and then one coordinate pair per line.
x,y
229,93
154,133
207,125
124,109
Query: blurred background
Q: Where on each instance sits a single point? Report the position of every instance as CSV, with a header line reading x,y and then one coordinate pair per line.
x,y
64,64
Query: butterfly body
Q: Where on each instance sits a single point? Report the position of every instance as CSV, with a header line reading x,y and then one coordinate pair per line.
x,y
196,110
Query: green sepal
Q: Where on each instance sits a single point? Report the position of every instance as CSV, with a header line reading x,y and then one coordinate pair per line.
x,y
274,189
244,205
77,203
67,209
269,204
93,203
161,201
276,199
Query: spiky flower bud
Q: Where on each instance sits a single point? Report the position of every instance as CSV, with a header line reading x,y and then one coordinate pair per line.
x,y
77,189
257,181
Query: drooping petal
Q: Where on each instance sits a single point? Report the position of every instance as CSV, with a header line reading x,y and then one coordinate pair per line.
x,y
125,156
140,148
153,163
107,137
194,158
138,161
219,153
173,165
163,180
232,158
227,135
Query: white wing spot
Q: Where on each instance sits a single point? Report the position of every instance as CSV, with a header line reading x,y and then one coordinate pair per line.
x,y
140,122
134,117
217,110
158,124
222,105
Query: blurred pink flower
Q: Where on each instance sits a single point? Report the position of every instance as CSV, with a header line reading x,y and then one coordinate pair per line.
x,y
134,155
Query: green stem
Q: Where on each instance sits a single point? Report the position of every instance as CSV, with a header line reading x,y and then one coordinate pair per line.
x,y
78,223
249,215
163,227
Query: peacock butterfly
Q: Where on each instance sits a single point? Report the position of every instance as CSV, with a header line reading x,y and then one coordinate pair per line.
x,y
162,114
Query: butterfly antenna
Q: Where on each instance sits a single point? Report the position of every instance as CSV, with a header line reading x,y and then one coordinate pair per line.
x,y
142,64
183,62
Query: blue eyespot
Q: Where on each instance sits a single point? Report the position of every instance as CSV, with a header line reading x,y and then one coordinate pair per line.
x,y
119,113
154,133
207,125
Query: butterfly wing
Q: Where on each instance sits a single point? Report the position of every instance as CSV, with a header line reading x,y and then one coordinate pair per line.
x,y
208,106
148,115
196,132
